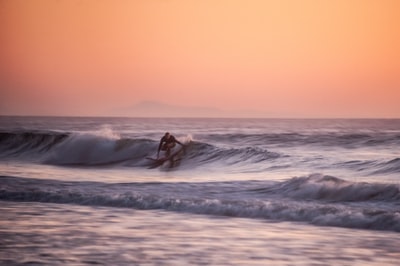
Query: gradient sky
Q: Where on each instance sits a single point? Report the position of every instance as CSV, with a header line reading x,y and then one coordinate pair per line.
x,y
283,58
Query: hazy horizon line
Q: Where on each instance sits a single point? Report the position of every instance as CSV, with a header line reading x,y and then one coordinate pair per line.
x,y
201,117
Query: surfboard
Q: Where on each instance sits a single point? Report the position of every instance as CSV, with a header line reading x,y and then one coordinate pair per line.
x,y
160,161
157,160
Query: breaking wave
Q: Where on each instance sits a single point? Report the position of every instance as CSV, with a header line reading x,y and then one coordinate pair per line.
x,y
106,148
332,189
316,199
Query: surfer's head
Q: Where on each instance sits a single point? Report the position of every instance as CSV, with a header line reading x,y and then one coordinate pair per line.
x,y
167,134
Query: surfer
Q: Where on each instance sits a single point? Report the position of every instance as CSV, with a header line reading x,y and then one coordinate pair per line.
x,y
167,142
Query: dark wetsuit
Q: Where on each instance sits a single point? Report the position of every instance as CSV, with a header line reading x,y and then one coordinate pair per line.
x,y
168,142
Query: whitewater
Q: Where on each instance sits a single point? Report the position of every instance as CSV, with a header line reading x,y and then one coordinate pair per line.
x,y
80,190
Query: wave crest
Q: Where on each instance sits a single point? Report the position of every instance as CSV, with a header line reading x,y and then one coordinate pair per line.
x,y
286,203
16,144
333,189
105,147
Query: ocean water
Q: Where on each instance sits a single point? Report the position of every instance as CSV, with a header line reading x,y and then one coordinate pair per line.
x,y
81,191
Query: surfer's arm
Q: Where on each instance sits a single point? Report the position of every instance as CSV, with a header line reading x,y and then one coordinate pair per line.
x,y
180,143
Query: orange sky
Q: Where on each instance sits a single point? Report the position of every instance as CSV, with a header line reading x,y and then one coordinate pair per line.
x,y
283,58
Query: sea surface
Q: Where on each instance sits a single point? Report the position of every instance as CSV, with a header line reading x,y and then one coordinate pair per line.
x,y
82,191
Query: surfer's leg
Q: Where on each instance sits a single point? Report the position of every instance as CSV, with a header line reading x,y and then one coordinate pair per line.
x,y
166,148
169,147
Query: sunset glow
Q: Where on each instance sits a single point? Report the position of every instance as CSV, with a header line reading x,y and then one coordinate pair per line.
x,y
272,58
